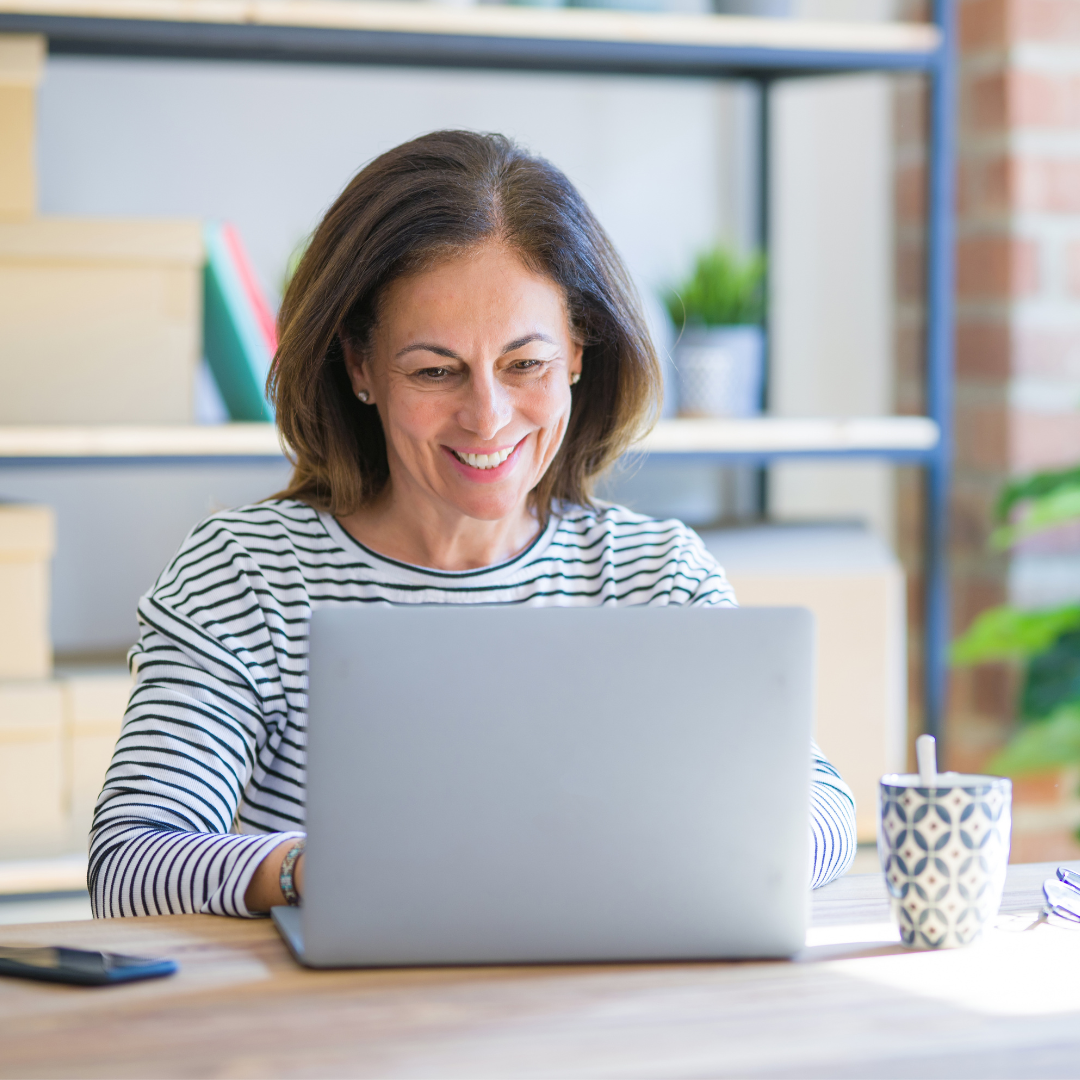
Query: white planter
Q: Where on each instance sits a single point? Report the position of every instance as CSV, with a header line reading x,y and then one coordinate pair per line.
x,y
721,370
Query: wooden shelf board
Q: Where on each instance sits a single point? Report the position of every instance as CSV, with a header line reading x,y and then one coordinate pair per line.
x,y
219,440
63,873
767,435
268,26
897,434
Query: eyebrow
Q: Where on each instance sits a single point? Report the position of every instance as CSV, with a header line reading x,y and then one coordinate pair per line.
x,y
440,350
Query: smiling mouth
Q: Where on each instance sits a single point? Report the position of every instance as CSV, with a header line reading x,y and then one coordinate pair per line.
x,y
484,461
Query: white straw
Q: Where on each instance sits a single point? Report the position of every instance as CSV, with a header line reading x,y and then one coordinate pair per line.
x,y
926,756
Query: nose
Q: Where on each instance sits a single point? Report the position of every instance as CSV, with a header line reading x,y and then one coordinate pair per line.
x,y
486,409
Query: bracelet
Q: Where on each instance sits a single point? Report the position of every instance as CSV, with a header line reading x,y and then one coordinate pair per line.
x,y
288,886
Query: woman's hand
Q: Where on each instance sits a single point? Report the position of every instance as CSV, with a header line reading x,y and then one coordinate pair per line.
x,y
264,890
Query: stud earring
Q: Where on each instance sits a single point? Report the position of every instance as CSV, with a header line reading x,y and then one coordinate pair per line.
x,y
575,378
364,396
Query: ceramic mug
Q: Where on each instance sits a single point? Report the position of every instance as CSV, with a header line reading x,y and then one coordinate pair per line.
x,y
944,849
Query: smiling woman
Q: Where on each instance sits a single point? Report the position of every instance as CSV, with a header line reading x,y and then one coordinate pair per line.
x,y
461,356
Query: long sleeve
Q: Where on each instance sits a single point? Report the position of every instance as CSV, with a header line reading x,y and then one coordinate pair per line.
x,y
188,773
832,822
832,805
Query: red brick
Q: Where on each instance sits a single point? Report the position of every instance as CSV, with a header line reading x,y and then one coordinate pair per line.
x,y
1040,790
1051,845
1051,185
910,193
984,185
910,273
1038,99
910,112
982,436
981,23
984,103
1043,440
1072,267
1056,21
910,351
971,597
996,268
1039,351
983,349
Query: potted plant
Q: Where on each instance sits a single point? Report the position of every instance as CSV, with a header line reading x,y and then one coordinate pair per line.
x,y
720,351
1046,641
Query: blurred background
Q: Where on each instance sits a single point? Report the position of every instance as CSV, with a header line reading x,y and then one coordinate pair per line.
x,y
671,166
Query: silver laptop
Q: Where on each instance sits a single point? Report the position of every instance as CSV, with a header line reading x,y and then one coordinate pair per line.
x,y
490,785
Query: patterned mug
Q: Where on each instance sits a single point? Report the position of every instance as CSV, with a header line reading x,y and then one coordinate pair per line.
x,y
944,850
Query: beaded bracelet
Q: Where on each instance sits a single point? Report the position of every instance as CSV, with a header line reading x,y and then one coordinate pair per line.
x,y
288,886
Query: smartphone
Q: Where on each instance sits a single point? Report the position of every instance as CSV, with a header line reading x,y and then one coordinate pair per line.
x,y
55,963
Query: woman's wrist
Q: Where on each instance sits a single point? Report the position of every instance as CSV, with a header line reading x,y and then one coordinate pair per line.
x,y
264,889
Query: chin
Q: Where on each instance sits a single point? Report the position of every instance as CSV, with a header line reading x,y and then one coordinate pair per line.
x,y
491,509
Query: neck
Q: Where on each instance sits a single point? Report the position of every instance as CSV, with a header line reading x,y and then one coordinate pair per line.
x,y
441,538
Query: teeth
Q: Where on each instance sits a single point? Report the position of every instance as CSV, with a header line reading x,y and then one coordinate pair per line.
x,y
485,461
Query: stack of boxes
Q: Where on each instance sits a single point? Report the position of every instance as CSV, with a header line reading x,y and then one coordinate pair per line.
x,y
83,305
100,319
57,732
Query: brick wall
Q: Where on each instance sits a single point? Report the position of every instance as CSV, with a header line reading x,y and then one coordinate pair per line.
x,y
1017,343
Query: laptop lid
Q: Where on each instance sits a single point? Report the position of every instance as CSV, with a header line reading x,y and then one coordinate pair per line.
x,y
515,784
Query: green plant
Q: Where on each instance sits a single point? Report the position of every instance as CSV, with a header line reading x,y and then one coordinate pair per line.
x,y
723,290
1045,642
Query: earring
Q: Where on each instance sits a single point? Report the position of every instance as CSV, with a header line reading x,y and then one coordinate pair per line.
x,y
364,396
575,378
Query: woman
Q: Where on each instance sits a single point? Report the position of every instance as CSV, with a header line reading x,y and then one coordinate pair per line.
x,y
461,355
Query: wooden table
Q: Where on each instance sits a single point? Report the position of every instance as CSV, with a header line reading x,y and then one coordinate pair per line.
x,y
853,1004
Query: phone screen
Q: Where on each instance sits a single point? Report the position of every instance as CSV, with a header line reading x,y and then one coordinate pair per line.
x,y
57,963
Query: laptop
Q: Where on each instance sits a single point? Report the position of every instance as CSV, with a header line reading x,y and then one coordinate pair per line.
x,y
502,785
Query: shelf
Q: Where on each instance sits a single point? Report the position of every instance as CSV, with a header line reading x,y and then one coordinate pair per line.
x,y
898,437
483,36
87,444
65,873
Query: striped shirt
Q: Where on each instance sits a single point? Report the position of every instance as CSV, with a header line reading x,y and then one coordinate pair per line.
x,y
208,775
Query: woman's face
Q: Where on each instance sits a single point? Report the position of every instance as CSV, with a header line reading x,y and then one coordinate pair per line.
x,y
470,366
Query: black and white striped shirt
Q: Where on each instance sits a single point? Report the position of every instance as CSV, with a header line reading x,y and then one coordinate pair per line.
x,y
208,775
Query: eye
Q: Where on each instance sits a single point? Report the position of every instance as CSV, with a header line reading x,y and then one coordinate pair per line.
x,y
432,373
527,365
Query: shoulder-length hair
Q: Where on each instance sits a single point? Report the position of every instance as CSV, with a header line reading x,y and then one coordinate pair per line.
x,y
421,202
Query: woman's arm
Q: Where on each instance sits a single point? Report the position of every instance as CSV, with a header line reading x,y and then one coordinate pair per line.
x,y
264,890
161,842
205,733
832,822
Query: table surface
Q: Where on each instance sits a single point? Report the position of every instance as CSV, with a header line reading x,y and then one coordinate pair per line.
x,y
852,1004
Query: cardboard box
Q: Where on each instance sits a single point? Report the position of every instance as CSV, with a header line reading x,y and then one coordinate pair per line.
x,y
100,321
94,706
22,63
33,818
855,588
27,542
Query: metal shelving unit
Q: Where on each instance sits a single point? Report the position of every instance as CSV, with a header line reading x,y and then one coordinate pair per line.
x,y
571,41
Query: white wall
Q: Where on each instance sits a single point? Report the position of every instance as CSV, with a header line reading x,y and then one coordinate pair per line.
x,y
664,163
268,146
832,285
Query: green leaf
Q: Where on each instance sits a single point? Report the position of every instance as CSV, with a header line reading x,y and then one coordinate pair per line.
x,y
722,291
1047,511
1033,487
1052,678
1041,745
1007,633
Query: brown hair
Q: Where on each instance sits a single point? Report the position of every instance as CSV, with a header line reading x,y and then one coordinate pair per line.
x,y
425,200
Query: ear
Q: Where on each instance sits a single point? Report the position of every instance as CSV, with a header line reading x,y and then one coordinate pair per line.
x,y
355,365
574,366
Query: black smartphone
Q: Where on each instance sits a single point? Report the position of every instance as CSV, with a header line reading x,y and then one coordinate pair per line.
x,y
55,963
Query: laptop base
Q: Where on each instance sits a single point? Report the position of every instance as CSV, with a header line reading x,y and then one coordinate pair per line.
x,y
289,926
